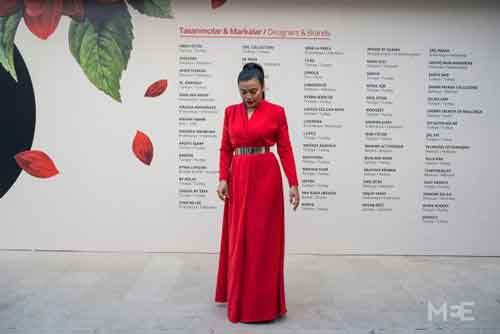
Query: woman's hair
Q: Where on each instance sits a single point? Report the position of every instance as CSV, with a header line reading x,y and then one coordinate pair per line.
x,y
252,71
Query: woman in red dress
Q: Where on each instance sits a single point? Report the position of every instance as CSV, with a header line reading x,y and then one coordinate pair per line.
x,y
251,261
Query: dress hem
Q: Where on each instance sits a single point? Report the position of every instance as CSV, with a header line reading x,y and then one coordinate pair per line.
x,y
260,319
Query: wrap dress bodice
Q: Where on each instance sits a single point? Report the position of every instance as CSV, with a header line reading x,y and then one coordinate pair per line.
x,y
266,126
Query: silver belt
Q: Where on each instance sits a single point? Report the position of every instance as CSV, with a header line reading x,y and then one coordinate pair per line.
x,y
251,150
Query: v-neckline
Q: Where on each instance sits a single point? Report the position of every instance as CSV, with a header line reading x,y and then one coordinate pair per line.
x,y
254,111
249,118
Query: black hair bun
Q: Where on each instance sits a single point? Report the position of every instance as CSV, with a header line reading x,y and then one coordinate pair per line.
x,y
253,66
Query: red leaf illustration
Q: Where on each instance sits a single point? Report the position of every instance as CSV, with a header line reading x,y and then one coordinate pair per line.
x,y
36,163
74,8
34,7
217,3
143,147
42,17
157,88
8,7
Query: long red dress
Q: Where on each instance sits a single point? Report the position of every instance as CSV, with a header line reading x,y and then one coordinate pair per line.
x,y
251,261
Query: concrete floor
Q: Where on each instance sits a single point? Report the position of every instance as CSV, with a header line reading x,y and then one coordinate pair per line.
x,y
172,293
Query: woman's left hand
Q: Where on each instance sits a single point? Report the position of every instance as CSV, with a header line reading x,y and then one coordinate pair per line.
x,y
294,197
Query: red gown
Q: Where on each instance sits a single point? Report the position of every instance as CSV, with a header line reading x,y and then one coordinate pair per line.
x,y
251,260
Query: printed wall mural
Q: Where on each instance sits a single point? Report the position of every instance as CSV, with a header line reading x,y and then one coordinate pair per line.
x,y
17,119
100,39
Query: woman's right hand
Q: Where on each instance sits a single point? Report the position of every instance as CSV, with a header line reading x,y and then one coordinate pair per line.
x,y
222,190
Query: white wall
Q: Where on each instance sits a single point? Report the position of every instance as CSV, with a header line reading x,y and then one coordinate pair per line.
x,y
105,199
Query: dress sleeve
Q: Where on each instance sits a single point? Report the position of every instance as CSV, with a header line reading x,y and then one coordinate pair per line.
x,y
285,151
226,149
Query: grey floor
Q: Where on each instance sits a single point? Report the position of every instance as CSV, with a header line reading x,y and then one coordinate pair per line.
x,y
65,292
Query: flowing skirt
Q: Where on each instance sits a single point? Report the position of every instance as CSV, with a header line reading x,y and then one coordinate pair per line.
x,y
251,260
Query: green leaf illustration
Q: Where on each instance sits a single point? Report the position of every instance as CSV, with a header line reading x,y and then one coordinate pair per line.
x,y
8,28
103,50
156,8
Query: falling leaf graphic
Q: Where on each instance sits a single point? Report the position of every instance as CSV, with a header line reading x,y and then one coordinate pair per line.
x,y
157,88
217,3
36,163
143,147
42,17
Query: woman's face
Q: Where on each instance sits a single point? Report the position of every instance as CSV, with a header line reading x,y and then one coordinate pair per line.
x,y
251,92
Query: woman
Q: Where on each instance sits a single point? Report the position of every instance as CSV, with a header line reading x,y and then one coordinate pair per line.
x,y
251,262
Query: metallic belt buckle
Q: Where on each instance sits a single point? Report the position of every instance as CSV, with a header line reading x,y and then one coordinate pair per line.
x,y
250,150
